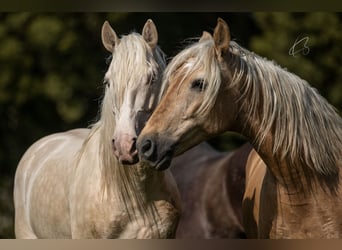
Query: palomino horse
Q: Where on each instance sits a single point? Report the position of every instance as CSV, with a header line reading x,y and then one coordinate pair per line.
x,y
215,85
211,185
72,185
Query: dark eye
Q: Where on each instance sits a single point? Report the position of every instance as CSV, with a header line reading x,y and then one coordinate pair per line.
x,y
199,85
152,78
106,82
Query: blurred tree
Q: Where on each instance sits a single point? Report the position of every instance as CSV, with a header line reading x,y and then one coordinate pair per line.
x,y
51,73
319,34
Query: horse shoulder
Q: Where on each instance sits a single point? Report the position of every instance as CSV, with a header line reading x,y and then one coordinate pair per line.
x,y
40,182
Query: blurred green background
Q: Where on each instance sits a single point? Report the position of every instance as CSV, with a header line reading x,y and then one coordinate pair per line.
x,y
52,66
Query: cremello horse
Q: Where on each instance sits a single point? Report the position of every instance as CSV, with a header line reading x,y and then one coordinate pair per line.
x,y
293,187
74,184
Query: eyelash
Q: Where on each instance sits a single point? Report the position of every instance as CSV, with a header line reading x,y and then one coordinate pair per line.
x,y
152,78
199,85
106,83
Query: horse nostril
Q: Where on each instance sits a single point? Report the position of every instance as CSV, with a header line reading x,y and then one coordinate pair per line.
x,y
134,145
113,145
147,148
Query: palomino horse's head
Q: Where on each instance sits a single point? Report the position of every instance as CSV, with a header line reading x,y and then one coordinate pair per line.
x,y
133,84
191,108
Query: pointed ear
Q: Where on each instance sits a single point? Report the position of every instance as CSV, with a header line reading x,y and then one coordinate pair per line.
x,y
205,36
221,37
150,33
109,37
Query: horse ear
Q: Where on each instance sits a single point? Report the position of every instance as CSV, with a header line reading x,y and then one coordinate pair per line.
x,y
221,37
109,37
205,36
150,33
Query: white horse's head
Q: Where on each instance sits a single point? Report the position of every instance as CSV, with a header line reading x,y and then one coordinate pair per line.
x,y
133,86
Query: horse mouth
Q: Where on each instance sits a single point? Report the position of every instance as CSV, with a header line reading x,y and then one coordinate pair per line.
x,y
127,159
130,160
164,163
161,163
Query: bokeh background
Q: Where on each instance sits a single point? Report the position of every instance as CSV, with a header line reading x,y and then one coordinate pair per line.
x,y
52,66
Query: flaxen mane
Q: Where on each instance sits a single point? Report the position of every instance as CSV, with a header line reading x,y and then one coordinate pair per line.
x,y
306,129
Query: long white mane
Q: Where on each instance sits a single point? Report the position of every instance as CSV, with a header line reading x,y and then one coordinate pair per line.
x,y
132,60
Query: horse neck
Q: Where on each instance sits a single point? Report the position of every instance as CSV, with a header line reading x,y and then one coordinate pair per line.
x,y
289,170
295,183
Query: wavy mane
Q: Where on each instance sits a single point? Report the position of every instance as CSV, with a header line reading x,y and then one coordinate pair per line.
x,y
306,129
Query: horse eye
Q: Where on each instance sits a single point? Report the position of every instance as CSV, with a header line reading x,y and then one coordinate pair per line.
x,y
106,82
199,85
152,78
